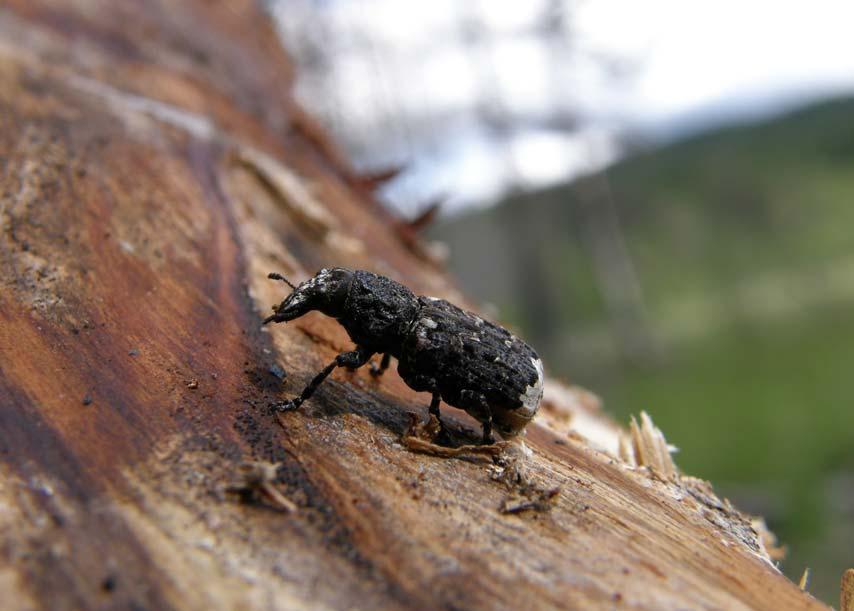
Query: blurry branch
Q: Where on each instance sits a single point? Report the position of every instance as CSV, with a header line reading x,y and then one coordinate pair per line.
x,y
614,269
418,120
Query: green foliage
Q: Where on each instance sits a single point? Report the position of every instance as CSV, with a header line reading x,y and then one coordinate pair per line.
x,y
742,242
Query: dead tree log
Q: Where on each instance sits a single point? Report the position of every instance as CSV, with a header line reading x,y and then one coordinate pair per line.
x,y
153,169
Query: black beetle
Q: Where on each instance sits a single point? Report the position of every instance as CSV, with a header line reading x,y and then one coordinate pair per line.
x,y
457,356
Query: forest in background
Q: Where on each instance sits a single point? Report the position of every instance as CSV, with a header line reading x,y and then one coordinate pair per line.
x,y
710,283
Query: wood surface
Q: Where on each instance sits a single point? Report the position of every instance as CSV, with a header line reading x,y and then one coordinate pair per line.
x,y
153,169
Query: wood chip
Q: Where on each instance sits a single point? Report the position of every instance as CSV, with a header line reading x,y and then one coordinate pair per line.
x,y
419,438
846,594
804,583
539,500
257,480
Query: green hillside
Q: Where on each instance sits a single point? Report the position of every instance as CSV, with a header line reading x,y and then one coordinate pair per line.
x,y
709,282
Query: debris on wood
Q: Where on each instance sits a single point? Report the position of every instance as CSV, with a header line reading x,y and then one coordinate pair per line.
x,y
256,482
509,466
420,437
524,493
541,500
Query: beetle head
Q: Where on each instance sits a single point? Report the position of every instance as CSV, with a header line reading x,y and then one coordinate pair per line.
x,y
325,292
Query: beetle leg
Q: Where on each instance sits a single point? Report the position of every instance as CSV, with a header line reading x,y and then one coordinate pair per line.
x,y
434,407
353,359
477,405
378,371
488,439
434,410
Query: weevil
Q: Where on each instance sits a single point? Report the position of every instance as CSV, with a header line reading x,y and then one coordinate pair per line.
x,y
455,355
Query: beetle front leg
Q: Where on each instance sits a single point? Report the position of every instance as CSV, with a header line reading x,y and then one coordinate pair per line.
x,y
384,363
352,360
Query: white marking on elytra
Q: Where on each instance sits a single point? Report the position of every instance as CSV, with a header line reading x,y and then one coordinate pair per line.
x,y
423,325
533,394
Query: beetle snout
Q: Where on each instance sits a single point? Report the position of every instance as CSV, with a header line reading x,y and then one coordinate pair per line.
x,y
294,306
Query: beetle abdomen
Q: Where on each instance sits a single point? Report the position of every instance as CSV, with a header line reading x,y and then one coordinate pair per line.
x,y
463,352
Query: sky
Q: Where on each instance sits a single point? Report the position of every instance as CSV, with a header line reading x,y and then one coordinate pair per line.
x,y
406,82
695,56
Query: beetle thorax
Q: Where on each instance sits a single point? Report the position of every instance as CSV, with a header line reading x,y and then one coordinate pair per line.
x,y
378,311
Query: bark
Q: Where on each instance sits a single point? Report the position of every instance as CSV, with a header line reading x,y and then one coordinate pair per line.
x,y
154,168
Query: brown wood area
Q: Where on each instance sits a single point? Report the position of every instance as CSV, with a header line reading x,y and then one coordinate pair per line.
x,y
153,169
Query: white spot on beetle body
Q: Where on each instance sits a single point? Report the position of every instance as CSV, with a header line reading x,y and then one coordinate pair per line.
x,y
423,325
319,281
533,394
295,299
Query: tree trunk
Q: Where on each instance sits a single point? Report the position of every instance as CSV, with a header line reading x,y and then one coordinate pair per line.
x,y
154,168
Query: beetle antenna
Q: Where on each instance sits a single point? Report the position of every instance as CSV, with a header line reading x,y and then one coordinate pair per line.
x,y
275,276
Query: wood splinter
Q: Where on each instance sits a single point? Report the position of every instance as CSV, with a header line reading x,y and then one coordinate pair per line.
x,y
419,437
804,583
846,591
257,482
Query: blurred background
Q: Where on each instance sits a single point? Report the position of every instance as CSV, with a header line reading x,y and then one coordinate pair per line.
x,y
656,194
